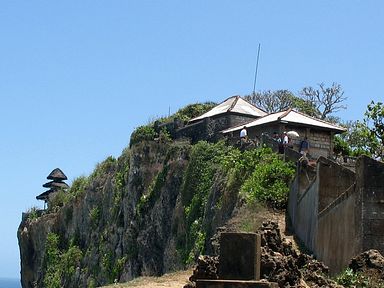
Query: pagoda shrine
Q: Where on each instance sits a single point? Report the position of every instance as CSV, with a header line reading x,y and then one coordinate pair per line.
x,y
57,183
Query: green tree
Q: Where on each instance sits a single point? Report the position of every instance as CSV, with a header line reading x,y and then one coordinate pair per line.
x,y
355,141
374,120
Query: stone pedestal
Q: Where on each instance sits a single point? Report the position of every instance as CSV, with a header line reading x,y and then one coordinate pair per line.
x,y
240,256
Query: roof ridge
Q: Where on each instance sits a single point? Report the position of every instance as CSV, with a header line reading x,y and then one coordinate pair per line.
x,y
233,103
286,112
317,119
255,106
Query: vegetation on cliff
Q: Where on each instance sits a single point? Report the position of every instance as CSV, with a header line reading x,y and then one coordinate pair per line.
x,y
150,211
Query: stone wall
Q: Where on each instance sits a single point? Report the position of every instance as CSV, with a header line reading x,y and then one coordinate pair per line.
x,y
320,143
338,232
334,178
339,214
209,128
370,179
236,120
303,211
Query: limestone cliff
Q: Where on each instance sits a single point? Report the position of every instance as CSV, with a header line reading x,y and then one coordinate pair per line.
x,y
135,215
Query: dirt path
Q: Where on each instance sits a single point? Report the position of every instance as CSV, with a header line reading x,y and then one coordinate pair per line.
x,y
171,280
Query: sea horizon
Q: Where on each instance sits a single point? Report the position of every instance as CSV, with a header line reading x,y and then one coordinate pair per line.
x,y
9,282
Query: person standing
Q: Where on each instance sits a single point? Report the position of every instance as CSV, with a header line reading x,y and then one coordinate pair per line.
x,y
285,139
243,133
304,146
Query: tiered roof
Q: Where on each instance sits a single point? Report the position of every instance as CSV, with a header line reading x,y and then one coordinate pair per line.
x,y
57,176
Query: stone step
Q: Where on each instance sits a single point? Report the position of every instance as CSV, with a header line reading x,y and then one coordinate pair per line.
x,y
207,283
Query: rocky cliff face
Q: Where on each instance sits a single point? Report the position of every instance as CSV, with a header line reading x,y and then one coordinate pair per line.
x,y
130,217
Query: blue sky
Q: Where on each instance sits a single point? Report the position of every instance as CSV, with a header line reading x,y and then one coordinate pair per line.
x,y
76,77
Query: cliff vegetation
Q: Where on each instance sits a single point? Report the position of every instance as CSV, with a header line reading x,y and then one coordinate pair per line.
x,y
152,210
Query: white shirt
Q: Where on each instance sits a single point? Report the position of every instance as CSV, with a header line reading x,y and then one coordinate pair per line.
x,y
243,133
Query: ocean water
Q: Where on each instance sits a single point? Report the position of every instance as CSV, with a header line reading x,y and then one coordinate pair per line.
x,y
9,283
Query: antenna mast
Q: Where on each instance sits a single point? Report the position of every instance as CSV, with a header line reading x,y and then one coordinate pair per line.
x,y
257,66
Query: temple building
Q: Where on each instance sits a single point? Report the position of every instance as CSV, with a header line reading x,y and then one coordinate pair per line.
x,y
56,184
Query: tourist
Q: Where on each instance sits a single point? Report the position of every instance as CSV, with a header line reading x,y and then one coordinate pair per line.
x,y
243,133
304,146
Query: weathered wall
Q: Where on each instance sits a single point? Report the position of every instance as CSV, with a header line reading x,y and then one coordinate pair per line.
x,y
334,180
320,143
341,213
236,120
370,180
303,211
209,128
338,232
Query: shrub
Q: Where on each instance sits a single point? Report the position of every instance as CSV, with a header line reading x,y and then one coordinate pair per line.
x,y
33,213
142,133
94,216
193,110
58,199
103,168
348,278
269,182
78,186
59,265
52,277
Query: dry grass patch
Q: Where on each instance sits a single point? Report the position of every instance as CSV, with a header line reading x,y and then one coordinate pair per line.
x,y
171,280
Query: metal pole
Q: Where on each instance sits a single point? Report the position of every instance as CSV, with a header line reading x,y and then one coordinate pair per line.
x,y
257,66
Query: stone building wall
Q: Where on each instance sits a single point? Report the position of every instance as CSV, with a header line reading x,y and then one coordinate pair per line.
x,y
320,143
236,120
209,128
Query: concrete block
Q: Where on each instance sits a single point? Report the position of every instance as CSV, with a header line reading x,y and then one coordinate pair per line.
x,y
240,256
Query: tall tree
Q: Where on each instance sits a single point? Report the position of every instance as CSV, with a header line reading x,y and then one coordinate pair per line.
x,y
326,100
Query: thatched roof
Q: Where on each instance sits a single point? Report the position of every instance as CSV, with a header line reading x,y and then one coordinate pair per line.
x,y
44,195
57,174
55,184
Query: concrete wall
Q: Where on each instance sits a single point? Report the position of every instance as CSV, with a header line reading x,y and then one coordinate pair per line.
x,y
331,232
334,180
370,180
306,215
338,232
340,213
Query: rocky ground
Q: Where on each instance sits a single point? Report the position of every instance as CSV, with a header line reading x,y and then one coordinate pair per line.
x,y
281,262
